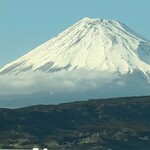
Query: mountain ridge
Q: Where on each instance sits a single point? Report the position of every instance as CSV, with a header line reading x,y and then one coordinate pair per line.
x,y
118,123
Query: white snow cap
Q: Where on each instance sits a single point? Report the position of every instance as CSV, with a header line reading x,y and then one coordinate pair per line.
x,y
90,44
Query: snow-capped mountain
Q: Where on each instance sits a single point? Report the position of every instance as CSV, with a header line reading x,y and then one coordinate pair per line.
x,y
90,44
94,58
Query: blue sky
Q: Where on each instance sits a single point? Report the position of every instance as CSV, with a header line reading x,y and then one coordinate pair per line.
x,y
25,24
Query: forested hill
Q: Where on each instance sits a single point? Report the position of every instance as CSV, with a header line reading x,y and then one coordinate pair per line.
x,y
117,124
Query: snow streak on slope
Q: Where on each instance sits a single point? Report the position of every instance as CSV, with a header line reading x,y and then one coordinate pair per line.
x,y
90,44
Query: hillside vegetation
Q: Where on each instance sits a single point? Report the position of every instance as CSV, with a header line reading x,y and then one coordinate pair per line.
x,y
117,124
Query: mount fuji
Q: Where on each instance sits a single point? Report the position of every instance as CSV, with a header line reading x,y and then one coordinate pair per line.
x,y
99,46
104,45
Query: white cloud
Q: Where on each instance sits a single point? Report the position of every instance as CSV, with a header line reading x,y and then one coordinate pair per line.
x,y
58,87
57,82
